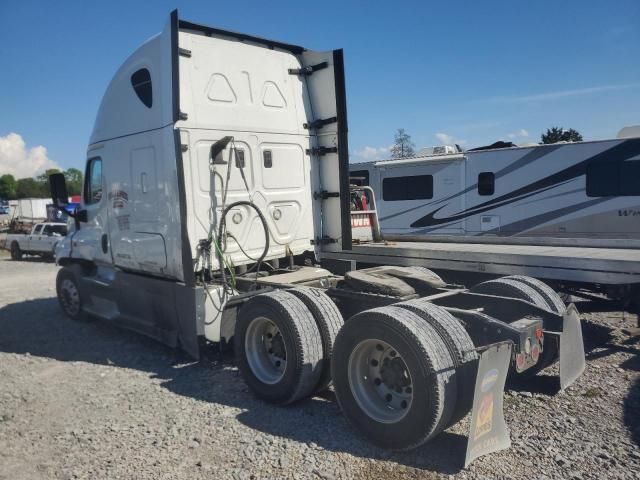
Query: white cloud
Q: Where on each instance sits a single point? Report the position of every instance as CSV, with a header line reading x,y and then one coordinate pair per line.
x,y
371,153
561,94
18,160
446,139
522,133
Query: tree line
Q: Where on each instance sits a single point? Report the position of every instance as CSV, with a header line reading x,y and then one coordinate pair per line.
x,y
38,187
403,147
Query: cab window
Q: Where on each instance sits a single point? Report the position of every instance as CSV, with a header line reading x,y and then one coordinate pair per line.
x,y
93,181
55,230
38,230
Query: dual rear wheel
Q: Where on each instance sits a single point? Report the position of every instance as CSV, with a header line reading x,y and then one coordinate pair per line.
x,y
533,291
283,343
397,379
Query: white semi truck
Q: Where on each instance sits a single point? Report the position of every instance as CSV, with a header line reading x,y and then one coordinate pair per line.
x,y
217,177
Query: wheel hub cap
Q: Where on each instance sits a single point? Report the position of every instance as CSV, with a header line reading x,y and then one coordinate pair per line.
x,y
380,381
265,350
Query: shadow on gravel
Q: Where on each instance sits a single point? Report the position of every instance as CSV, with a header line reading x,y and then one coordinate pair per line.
x,y
632,409
30,259
38,328
540,384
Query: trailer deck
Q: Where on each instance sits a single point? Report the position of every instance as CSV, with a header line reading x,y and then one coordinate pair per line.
x,y
609,266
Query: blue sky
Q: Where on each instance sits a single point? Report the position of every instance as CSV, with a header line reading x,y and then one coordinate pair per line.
x,y
472,72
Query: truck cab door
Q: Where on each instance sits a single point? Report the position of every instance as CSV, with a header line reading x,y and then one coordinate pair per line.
x,y
91,241
33,240
44,240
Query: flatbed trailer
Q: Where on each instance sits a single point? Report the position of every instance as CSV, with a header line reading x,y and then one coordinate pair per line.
x,y
561,264
216,179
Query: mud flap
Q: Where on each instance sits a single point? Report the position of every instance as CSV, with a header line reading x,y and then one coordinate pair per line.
x,y
572,360
488,432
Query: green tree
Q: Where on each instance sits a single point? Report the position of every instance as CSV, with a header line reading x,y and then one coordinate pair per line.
x,y
73,177
559,134
28,187
403,146
8,186
44,177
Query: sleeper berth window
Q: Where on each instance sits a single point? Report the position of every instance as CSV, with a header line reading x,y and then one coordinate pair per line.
x,y
141,82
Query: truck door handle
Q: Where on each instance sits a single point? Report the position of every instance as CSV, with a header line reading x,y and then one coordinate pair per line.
x,y
143,184
105,243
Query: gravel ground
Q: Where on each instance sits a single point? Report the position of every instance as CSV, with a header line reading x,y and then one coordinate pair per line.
x,y
91,401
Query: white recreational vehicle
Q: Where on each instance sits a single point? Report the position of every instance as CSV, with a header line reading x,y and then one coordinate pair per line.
x,y
216,178
584,190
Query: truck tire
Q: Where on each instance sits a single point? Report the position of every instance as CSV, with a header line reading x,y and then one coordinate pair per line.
x,y
459,345
329,322
68,293
553,300
428,272
408,402
16,253
505,287
278,347
508,287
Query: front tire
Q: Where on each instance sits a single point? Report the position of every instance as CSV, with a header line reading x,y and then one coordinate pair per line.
x,y
278,347
16,253
69,297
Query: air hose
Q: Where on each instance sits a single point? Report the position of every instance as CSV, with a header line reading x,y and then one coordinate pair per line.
x,y
221,228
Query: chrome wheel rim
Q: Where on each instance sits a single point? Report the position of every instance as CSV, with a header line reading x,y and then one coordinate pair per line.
x,y
70,297
380,381
265,350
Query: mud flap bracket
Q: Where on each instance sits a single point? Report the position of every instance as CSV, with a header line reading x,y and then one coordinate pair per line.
x,y
488,431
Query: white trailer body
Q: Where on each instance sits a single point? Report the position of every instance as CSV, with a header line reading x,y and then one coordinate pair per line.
x,y
216,177
31,210
564,191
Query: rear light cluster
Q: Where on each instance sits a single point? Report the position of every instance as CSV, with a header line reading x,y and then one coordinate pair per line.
x,y
531,351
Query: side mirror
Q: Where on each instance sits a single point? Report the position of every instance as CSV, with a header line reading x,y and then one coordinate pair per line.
x,y
81,216
58,188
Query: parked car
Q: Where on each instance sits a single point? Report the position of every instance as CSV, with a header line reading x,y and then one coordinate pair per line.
x,y
41,240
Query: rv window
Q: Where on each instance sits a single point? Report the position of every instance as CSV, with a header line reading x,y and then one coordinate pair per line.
x,y
486,183
419,187
141,82
629,175
603,180
359,177
93,181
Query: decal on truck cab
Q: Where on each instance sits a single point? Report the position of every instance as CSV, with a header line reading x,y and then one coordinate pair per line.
x,y
119,198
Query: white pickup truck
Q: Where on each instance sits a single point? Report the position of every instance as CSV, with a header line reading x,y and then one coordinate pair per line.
x,y
41,240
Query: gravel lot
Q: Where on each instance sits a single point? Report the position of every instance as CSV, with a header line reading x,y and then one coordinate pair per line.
x,y
92,401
